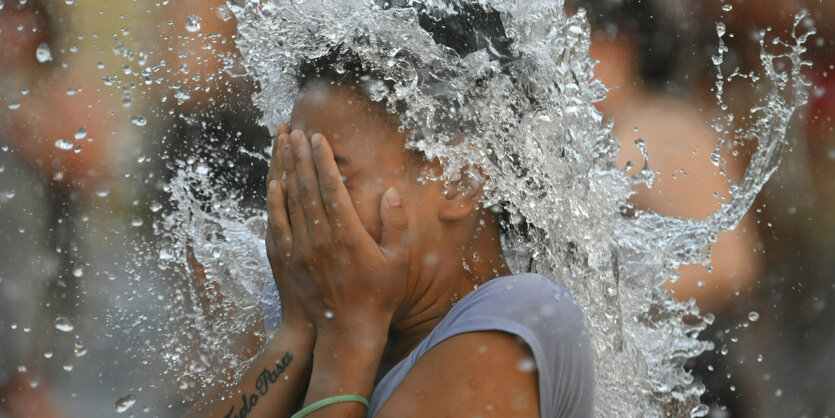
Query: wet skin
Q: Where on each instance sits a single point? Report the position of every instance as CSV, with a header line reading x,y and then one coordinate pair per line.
x,y
367,261
380,260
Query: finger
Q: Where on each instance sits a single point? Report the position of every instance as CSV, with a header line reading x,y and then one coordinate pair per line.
x,y
340,210
278,221
298,222
277,160
277,169
308,189
208,292
395,224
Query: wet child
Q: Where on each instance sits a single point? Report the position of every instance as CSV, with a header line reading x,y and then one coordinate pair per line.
x,y
380,317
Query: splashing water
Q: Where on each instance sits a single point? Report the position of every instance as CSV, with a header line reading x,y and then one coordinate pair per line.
x,y
530,123
228,242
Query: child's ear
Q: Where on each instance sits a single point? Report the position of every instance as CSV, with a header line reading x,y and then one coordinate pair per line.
x,y
462,196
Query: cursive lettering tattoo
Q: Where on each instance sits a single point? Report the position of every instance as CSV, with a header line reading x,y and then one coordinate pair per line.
x,y
262,386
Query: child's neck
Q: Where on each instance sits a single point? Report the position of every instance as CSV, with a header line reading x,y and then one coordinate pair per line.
x,y
436,289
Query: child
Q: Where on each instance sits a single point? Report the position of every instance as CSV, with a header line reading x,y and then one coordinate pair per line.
x,y
380,317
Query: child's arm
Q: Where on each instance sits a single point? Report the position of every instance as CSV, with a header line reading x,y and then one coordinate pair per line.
x,y
278,377
273,384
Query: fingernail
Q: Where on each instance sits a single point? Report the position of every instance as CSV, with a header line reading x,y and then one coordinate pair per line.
x,y
316,139
288,158
283,139
393,197
273,186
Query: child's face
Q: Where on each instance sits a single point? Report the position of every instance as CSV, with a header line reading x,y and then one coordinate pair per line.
x,y
369,152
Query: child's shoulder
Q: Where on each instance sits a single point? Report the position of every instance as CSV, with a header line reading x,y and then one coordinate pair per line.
x,y
533,300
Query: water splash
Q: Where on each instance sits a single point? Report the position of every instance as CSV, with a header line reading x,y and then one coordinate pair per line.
x,y
549,159
205,327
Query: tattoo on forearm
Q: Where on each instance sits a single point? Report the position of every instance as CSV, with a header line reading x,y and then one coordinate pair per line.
x,y
262,386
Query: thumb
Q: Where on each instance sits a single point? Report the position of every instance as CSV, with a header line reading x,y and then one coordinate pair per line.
x,y
395,223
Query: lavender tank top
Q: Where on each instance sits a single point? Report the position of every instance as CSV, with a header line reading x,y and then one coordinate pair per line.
x,y
543,314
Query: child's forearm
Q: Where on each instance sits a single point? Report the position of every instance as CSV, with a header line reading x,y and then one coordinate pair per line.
x,y
346,364
273,384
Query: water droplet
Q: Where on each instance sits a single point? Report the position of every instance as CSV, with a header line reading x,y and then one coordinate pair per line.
x,y
753,316
78,271
181,95
329,314
43,53
14,105
135,221
139,121
727,8
63,324
64,144
527,364
201,168
103,192
21,369
81,133
47,354
69,2
166,253
778,393
720,29
78,349
155,207
124,403
193,23
67,367
223,13
700,411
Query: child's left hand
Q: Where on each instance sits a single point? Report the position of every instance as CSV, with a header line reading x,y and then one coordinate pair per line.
x,y
342,277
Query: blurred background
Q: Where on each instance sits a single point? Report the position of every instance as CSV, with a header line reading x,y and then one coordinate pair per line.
x,y
99,100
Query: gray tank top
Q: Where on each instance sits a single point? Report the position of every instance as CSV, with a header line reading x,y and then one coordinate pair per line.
x,y
542,313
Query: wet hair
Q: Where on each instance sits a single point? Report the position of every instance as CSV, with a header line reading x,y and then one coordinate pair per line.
x,y
642,18
463,27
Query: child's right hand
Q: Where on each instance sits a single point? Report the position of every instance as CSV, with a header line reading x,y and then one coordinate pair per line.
x,y
292,313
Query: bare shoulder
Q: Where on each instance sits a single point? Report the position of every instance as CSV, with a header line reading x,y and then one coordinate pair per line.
x,y
485,373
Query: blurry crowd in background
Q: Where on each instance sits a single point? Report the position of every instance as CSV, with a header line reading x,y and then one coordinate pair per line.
x,y
99,100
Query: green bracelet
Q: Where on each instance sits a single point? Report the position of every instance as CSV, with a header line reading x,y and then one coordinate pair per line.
x,y
329,401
